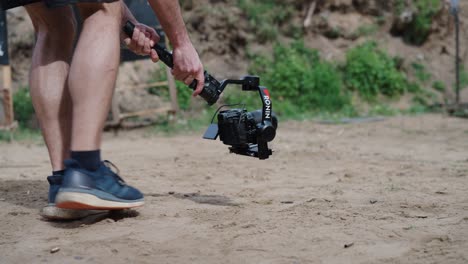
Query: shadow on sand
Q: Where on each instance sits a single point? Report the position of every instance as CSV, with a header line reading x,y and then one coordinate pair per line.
x,y
32,195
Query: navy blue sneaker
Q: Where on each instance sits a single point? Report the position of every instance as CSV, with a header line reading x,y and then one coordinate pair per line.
x,y
52,212
102,189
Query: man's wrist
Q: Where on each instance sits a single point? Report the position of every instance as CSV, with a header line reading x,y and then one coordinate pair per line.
x,y
179,39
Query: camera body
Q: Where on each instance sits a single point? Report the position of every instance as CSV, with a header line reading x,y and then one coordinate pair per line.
x,y
243,131
248,133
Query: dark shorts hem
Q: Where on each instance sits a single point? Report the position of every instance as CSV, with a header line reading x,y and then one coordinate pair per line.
x,y
8,4
59,3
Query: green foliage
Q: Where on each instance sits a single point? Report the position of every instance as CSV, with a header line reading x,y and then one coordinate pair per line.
x,y
303,85
439,86
183,123
421,72
414,87
299,80
371,72
22,106
382,110
22,134
425,98
183,92
399,6
184,95
420,28
366,30
266,16
417,109
463,78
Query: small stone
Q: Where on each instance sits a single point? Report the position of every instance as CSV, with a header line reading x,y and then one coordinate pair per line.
x,y
349,245
373,201
287,202
110,221
55,250
171,193
115,251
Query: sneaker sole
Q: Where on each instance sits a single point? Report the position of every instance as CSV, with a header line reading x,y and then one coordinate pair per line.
x,y
55,213
86,201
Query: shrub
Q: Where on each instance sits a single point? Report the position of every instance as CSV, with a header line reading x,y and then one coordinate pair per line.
x,y
439,86
463,78
266,16
22,106
184,95
183,92
371,72
299,81
420,28
421,72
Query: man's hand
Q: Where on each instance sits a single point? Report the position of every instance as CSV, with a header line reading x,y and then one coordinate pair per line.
x,y
142,41
188,67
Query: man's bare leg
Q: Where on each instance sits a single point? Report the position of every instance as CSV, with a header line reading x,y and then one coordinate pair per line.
x,y
55,29
88,182
93,73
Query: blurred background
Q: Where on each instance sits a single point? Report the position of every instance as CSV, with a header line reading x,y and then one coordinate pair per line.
x,y
321,59
387,186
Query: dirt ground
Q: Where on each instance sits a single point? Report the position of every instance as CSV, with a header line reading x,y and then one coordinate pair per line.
x,y
394,191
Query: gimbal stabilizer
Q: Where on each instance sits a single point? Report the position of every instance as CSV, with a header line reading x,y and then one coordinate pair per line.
x,y
248,133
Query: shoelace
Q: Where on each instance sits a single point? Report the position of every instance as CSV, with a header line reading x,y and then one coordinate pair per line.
x,y
111,165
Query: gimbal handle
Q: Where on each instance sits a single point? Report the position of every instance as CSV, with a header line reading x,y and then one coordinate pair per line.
x,y
164,55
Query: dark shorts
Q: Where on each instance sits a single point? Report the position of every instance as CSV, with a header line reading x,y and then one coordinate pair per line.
x,y
7,4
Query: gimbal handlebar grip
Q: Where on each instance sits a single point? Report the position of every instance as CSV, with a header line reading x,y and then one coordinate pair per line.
x,y
164,55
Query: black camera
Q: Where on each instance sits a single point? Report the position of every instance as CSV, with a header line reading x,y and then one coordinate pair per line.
x,y
248,133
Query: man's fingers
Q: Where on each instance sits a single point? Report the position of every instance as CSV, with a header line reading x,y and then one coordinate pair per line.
x,y
146,47
201,82
141,42
154,36
154,56
189,80
127,41
181,76
136,34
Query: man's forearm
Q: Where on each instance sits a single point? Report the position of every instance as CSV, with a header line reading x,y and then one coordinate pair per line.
x,y
170,17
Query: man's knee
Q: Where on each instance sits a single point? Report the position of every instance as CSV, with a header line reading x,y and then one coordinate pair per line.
x,y
109,11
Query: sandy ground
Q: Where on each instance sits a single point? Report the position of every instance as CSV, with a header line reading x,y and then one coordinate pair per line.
x,y
394,191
